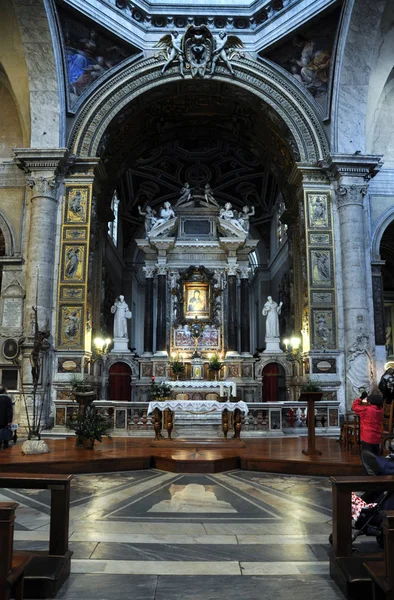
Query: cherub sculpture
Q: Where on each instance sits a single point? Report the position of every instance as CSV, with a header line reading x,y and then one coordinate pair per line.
x,y
173,49
225,47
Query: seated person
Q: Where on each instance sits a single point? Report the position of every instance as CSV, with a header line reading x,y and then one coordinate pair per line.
x,y
370,411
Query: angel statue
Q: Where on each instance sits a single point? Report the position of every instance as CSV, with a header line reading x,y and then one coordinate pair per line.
x,y
173,50
208,195
185,195
224,45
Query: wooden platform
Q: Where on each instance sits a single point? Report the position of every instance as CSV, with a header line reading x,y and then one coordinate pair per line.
x,y
275,455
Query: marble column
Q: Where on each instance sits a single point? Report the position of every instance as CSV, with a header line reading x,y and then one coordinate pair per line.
x,y
352,174
41,168
245,312
232,320
161,321
148,317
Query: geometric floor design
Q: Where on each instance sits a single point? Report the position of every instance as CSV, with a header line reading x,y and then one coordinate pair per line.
x,y
153,535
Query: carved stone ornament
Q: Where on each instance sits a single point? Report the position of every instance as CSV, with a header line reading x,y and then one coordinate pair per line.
x,y
42,186
149,272
198,51
232,270
161,269
244,272
352,194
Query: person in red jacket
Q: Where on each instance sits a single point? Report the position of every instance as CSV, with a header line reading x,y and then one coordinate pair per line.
x,y
370,411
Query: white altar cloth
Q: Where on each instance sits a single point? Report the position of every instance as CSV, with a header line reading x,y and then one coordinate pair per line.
x,y
196,383
197,406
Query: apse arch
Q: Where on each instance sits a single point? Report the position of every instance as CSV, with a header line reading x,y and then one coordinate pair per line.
x,y
260,79
8,235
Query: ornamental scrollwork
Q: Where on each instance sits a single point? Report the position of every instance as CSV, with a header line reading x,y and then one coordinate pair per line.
x,y
198,51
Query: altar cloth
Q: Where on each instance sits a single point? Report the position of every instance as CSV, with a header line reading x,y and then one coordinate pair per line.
x,y
198,406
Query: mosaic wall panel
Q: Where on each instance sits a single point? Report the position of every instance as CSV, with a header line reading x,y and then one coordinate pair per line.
x,y
74,255
321,270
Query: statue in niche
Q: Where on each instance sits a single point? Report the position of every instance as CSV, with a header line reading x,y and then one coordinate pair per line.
x,y
208,195
73,260
76,203
186,195
244,217
272,310
166,214
72,328
173,48
323,329
150,218
121,311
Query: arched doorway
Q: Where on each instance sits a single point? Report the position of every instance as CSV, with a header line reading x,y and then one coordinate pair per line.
x,y
119,382
274,383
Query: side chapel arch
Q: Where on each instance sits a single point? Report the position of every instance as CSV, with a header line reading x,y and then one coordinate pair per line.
x,y
260,79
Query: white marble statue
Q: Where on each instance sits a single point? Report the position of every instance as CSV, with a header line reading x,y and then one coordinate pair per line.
x,y
121,311
186,195
228,214
272,311
208,196
150,218
166,214
244,217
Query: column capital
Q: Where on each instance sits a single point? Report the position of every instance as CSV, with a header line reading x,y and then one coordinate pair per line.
x,y
244,272
149,272
352,166
161,269
232,270
41,167
351,194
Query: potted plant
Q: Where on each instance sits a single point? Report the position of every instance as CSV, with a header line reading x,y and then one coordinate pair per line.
x,y
311,390
89,427
82,390
177,367
215,365
159,391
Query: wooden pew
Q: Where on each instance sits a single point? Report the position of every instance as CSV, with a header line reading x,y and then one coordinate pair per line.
x,y
346,567
47,571
12,565
382,573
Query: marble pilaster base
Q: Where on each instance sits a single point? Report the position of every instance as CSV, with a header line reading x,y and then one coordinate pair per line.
x,y
272,346
120,346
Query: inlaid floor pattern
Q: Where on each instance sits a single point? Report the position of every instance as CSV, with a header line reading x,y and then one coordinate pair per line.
x,y
164,536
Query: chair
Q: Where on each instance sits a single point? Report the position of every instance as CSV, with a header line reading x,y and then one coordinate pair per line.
x,y
351,432
387,425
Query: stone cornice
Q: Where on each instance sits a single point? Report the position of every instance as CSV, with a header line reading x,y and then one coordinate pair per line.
x,y
40,161
363,166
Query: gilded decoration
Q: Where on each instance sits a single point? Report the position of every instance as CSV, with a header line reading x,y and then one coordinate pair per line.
x,y
72,293
71,326
73,263
73,268
321,272
77,205
70,234
196,298
321,267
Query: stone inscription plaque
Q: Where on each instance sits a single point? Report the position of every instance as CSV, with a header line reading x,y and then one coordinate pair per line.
x,y
12,312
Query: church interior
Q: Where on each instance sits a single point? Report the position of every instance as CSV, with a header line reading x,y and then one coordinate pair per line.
x,y
196,284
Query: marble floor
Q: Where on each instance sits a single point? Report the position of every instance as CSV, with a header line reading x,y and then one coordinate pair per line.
x,y
152,535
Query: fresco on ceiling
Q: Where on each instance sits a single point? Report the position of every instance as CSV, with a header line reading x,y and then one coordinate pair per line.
x,y
89,52
308,55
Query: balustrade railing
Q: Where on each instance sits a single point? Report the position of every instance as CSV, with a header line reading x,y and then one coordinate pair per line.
x,y
130,418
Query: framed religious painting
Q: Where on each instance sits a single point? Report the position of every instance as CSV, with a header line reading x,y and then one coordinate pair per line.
x,y
196,300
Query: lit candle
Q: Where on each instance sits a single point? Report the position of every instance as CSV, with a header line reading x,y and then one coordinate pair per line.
x,y
221,388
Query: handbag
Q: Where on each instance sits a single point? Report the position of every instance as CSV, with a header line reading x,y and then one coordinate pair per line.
x,y
5,434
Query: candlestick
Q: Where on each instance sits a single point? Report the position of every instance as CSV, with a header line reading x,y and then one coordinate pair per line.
x,y
233,389
221,388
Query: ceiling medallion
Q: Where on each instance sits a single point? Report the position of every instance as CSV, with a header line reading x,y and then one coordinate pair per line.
x,y
199,51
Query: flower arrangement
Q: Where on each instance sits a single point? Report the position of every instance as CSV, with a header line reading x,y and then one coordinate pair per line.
x,y
312,385
89,427
177,367
214,363
159,391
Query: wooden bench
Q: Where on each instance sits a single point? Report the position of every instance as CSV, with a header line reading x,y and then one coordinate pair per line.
x,y
47,571
12,565
347,568
382,573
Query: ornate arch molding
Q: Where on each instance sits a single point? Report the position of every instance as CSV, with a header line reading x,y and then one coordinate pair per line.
x,y
280,360
127,360
9,235
383,222
259,78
